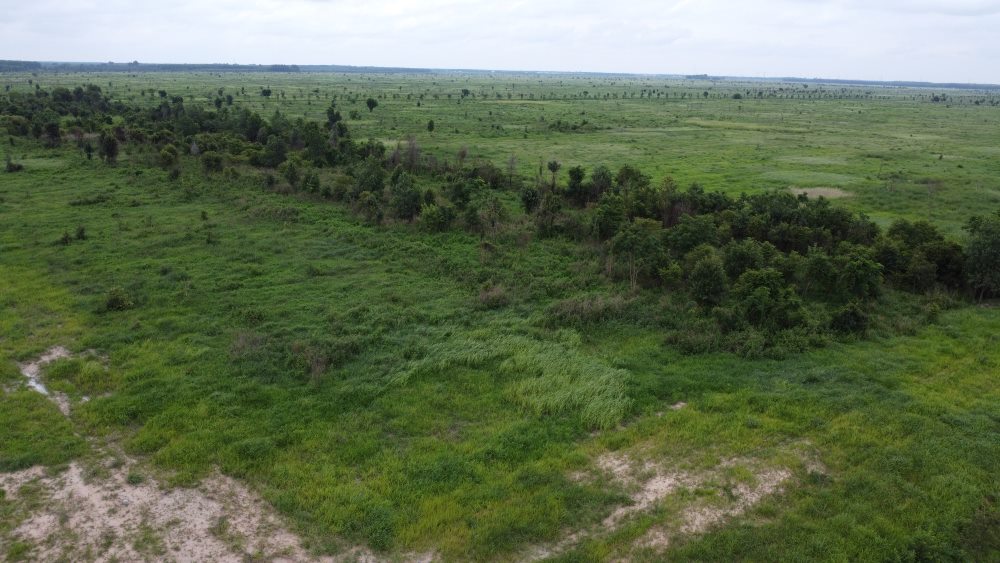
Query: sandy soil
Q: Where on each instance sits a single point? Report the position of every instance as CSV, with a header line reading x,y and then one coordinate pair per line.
x,y
108,508
652,482
94,513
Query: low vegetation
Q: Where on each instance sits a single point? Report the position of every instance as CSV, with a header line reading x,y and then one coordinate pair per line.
x,y
417,355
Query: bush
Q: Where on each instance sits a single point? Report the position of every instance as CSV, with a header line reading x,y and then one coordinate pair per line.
x,y
12,166
118,300
169,156
691,232
750,344
436,218
493,297
699,337
530,198
764,300
211,161
850,319
707,281
983,251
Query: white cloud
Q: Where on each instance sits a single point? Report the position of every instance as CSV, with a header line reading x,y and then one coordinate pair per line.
x,y
940,40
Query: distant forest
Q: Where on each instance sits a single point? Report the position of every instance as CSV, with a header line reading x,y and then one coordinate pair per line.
x,y
135,66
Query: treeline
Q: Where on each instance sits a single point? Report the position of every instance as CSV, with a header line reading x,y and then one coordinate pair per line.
x,y
19,66
762,270
136,66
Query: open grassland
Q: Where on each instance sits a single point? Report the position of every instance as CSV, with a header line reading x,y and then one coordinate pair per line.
x,y
367,383
899,153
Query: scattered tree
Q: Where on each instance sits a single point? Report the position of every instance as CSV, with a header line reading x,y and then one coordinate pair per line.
x,y
554,167
983,251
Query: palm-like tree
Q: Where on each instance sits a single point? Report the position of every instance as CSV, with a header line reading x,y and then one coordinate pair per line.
x,y
554,167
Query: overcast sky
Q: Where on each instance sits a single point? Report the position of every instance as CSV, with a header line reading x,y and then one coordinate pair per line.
x,y
936,40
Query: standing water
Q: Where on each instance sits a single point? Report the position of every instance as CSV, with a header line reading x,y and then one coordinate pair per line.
x,y
33,370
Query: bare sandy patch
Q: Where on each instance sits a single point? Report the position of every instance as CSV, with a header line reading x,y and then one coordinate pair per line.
x,y
33,372
83,514
650,484
828,193
108,509
699,519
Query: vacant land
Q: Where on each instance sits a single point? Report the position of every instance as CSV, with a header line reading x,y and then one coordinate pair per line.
x,y
398,393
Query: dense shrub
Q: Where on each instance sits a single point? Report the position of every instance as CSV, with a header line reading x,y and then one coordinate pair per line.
x,y
707,281
211,161
983,251
117,299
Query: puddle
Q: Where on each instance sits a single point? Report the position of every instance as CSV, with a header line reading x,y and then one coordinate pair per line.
x,y
33,370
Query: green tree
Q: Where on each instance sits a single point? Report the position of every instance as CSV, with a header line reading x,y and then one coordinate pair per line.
x,y
707,281
492,215
601,182
608,215
290,170
436,218
765,301
404,200
554,167
369,177
575,189
921,273
859,276
548,213
370,206
983,255
211,161
691,232
169,156
430,126
52,135
638,245
530,198
108,147
333,115
275,152
372,103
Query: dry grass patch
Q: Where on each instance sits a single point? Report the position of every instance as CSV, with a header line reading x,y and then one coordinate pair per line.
x,y
828,193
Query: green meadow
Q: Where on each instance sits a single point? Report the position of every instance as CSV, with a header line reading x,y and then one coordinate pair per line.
x,y
426,392
895,151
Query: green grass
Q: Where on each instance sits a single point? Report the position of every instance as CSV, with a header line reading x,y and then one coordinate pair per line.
x,y
34,432
865,139
351,375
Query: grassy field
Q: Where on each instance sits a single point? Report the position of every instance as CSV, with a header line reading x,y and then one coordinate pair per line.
x,y
894,150
357,379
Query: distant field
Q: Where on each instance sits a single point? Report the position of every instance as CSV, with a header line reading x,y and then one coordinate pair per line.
x,y
885,145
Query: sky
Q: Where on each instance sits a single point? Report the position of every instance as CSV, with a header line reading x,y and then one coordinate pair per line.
x,y
927,40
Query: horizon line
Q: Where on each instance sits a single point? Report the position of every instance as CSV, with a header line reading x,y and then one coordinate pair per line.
x,y
376,68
